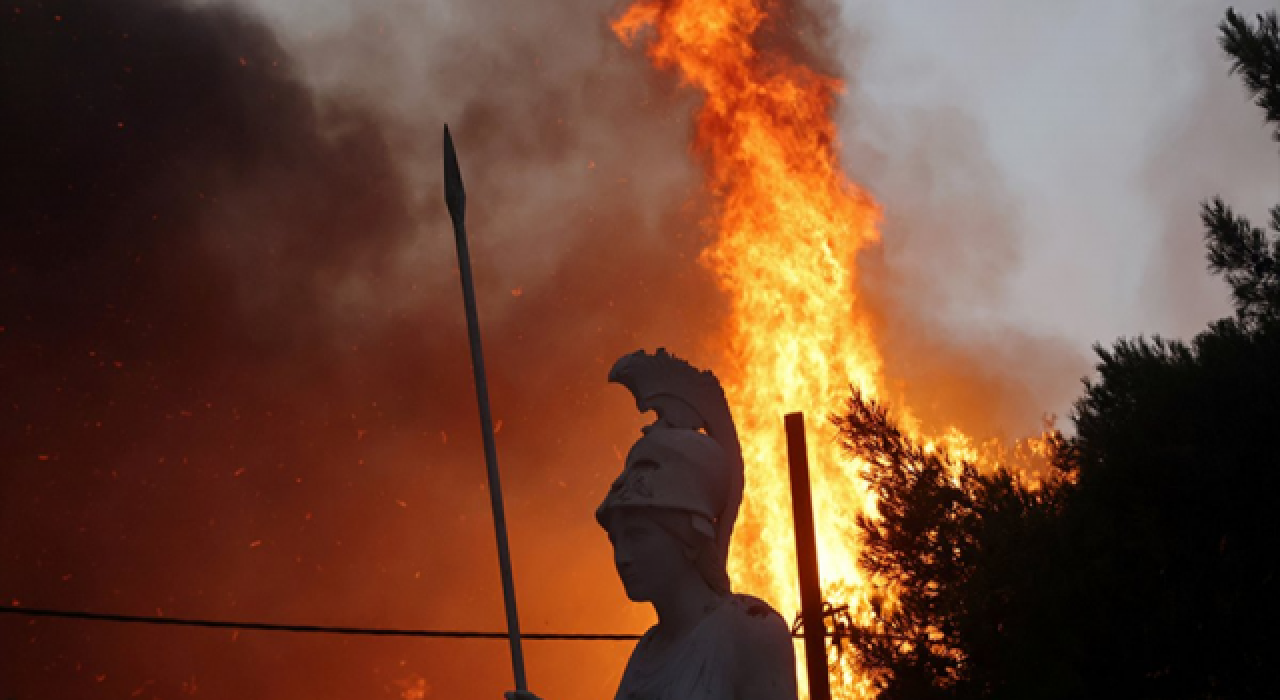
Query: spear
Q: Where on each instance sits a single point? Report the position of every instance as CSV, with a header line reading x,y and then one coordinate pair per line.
x,y
456,199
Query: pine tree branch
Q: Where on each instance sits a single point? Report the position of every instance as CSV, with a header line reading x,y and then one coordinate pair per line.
x,y
1255,56
1246,257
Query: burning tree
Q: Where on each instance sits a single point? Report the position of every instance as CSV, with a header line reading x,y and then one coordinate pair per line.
x,y
960,557
1143,566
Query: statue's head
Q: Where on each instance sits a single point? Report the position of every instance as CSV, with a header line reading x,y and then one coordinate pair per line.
x,y
676,482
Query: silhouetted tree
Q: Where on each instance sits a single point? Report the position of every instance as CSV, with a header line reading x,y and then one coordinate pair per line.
x,y
1246,256
1146,565
914,548
1255,54
1177,468
964,561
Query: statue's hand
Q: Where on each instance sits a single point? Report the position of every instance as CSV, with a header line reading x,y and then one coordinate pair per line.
x,y
520,695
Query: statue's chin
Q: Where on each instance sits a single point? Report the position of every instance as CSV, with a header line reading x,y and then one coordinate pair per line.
x,y
636,594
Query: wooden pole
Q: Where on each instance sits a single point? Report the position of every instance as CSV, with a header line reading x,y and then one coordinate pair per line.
x,y
815,627
456,199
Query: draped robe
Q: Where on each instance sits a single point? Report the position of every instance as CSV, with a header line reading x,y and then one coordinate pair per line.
x,y
742,648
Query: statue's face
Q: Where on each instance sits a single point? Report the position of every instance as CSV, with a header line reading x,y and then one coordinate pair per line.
x,y
649,559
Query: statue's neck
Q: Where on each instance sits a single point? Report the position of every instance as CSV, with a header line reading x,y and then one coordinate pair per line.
x,y
684,607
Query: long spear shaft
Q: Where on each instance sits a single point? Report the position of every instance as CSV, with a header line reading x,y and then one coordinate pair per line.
x,y
455,198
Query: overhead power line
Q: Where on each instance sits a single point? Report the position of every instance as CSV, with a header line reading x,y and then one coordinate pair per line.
x,y
360,631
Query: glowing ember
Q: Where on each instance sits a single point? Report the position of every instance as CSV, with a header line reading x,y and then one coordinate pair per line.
x,y
788,228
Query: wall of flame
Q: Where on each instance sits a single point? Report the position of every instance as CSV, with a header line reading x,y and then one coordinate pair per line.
x,y
788,226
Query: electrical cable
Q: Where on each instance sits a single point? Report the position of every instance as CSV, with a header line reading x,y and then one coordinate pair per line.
x,y
327,629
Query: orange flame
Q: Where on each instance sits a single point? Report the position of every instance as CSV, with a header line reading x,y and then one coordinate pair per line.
x,y
788,227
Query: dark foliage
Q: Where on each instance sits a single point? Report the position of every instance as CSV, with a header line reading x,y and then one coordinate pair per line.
x,y
1255,55
1247,257
1171,521
915,547
964,557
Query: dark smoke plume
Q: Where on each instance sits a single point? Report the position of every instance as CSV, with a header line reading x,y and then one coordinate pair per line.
x,y
235,375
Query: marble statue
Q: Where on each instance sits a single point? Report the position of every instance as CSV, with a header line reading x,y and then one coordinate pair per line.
x,y
669,516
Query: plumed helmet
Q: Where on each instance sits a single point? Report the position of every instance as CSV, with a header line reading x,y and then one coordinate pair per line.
x,y
674,468
689,458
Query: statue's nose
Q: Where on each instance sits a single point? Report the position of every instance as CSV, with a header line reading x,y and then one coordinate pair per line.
x,y
622,560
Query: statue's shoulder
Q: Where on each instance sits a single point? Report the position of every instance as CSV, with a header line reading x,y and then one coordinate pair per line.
x,y
755,618
750,607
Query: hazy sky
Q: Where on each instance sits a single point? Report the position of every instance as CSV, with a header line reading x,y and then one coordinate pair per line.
x,y
1109,123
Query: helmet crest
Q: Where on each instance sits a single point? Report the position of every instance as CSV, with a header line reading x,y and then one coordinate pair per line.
x,y
689,458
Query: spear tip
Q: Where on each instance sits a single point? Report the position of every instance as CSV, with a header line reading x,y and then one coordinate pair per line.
x,y
455,196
